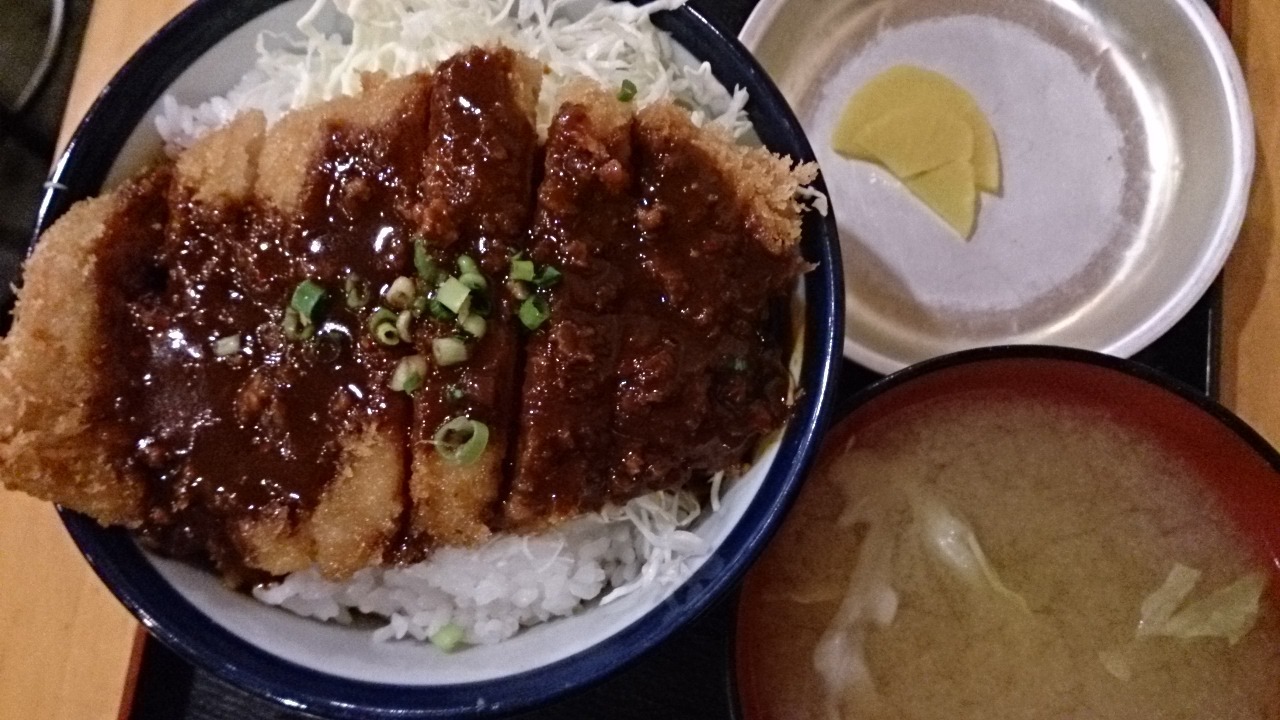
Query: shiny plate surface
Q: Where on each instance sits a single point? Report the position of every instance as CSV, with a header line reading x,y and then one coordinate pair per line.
x,y
1126,147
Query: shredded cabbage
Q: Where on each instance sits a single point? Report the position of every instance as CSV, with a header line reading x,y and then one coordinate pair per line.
x,y
870,600
952,542
1229,612
605,41
670,551
1160,605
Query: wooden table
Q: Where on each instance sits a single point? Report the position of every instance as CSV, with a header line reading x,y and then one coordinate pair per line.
x,y
68,649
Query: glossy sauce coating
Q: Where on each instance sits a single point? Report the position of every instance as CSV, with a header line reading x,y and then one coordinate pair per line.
x,y
667,329
224,440
479,196
662,361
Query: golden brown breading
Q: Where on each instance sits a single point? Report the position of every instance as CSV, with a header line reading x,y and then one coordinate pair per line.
x,y
465,183
765,181
479,198
590,142
55,441
650,370
350,527
358,513
222,166
296,141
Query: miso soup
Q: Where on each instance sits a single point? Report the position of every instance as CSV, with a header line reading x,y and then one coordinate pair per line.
x,y
999,558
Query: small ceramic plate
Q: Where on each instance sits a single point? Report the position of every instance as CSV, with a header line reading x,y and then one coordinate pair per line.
x,y
1126,146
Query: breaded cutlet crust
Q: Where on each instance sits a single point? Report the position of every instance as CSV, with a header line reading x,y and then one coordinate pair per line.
x,y
297,139
590,141
352,524
358,513
454,504
57,441
766,182
222,166
629,386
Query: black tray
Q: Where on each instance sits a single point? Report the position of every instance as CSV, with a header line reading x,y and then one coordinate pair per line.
x,y
690,677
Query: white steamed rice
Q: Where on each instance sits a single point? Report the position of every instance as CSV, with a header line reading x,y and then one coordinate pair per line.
x,y
492,591
512,581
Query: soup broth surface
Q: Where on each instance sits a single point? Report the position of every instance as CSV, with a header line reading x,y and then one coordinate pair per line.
x,y
855,612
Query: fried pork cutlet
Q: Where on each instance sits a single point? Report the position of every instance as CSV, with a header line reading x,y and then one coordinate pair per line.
x,y
664,356
585,227
285,348
207,407
336,197
58,437
479,197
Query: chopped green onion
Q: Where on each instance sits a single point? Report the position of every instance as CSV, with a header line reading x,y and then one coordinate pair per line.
x,y
422,262
521,269
548,277
461,440
408,374
224,346
401,293
386,334
453,392
438,310
412,383
449,351
475,281
452,293
380,316
739,364
475,326
293,327
627,92
357,291
533,312
419,305
448,637
306,300
404,325
467,265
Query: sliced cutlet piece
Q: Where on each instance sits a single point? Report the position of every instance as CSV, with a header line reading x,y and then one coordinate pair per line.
x,y
222,167
350,170
479,197
60,437
585,228
702,372
286,447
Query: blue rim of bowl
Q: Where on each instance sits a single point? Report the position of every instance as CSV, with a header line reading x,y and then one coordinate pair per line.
x,y
117,560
